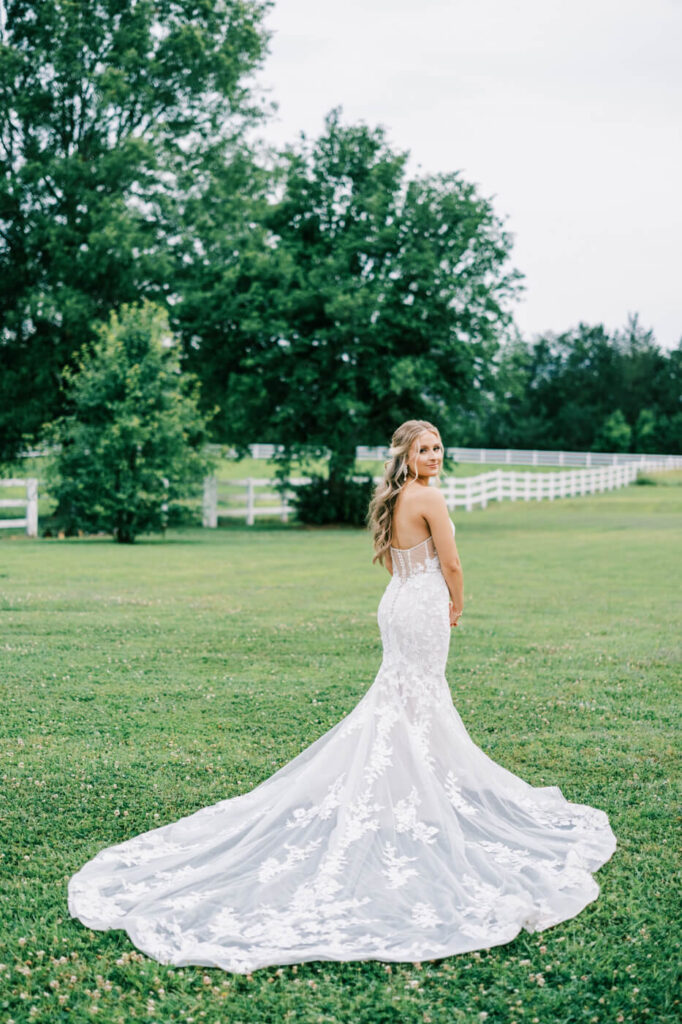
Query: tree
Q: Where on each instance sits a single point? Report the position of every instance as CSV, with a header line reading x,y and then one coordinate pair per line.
x,y
561,390
115,116
371,298
131,445
646,432
614,434
573,385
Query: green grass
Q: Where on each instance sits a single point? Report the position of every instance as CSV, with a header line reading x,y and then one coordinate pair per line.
x,y
665,478
141,683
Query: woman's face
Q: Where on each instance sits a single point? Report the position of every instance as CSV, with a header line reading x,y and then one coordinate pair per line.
x,y
426,457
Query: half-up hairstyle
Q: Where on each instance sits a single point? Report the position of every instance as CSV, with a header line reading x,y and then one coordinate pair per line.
x,y
396,474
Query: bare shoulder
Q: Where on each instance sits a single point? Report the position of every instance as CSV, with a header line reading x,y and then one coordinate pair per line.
x,y
431,498
430,504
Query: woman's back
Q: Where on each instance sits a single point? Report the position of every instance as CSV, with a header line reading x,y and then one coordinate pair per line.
x,y
409,526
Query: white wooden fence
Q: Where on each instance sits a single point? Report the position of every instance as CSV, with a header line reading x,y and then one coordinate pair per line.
x,y
30,503
252,497
509,485
513,457
533,457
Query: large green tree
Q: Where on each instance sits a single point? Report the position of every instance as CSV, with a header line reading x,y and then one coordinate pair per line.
x,y
366,297
116,119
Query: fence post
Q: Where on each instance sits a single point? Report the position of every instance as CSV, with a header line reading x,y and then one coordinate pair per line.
x,y
164,503
250,503
478,492
284,514
32,507
210,503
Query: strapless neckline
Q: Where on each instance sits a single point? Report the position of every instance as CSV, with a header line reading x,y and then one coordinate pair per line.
x,y
425,541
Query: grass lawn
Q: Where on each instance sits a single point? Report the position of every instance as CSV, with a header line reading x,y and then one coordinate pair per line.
x,y
141,683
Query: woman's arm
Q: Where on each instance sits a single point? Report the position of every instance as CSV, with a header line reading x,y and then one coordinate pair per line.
x,y
388,562
435,512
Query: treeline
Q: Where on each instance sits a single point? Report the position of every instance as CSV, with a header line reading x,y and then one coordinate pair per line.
x,y
319,295
584,390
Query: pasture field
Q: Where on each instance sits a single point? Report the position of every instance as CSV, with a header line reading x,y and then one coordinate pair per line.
x,y
140,683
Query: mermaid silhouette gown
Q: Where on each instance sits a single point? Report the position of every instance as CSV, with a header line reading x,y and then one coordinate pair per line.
x,y
392,837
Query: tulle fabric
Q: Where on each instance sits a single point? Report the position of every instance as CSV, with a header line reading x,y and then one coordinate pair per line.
x,y
392,837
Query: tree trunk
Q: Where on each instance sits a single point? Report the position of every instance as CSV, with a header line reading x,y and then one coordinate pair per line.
x,y
124,533
342,463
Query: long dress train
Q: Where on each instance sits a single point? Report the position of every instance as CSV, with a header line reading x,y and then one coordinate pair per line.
x,y
392,837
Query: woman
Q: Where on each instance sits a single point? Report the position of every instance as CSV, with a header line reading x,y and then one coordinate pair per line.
x,y
393,836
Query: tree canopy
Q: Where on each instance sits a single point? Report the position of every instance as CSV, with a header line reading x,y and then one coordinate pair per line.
x,y
371,294
322,294
115,115
585,389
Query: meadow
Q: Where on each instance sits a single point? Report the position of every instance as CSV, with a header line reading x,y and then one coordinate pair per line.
x,y
140,683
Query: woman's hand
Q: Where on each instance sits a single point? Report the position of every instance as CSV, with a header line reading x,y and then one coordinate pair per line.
x,y
454,615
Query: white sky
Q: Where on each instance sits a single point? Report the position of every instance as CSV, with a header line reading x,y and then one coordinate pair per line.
x,y
568,113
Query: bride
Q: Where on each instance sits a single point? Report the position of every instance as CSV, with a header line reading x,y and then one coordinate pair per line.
x,y
393,836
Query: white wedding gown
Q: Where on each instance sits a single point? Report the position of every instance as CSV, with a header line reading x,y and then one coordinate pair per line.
x,y
392,837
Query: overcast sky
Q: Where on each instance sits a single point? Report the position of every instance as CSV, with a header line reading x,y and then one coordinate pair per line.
x,y
567,113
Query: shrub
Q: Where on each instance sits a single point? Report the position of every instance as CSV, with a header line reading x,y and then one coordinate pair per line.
x,y
131,445
335,500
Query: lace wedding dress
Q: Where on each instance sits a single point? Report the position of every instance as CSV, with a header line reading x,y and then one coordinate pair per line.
x,y
392,837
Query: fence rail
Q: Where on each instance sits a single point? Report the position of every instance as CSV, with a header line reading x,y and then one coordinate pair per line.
x,y
30,503
253,497
482,456
509,485
512,457
536,457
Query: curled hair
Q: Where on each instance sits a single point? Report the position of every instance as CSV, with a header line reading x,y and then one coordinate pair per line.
x,y
396,475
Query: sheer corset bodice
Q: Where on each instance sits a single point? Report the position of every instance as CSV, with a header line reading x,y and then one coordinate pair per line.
x,y
408,562
420,558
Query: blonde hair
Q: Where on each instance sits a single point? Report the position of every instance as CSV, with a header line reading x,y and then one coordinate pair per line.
x,y
396,475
